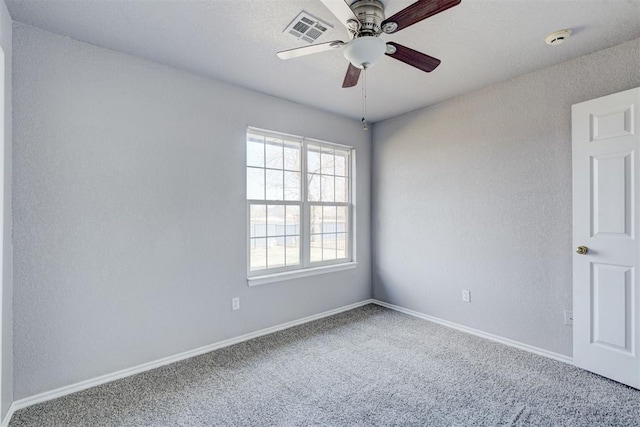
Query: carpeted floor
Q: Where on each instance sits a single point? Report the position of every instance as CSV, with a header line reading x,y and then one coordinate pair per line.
x,y
368,366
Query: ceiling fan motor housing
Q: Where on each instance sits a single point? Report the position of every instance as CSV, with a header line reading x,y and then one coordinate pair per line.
x,y
370,13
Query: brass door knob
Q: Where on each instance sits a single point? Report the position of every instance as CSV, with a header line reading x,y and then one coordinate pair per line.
x,y
582,250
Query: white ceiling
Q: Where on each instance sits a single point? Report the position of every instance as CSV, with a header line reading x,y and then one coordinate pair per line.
x,y
480,42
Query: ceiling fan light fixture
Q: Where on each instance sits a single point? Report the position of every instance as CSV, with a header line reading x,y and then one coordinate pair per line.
x,y
364,52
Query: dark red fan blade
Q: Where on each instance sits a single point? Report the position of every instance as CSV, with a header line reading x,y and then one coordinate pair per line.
x,y
351,79
418,11
413,57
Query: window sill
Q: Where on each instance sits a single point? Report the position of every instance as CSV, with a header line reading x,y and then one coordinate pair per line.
x,y
288,275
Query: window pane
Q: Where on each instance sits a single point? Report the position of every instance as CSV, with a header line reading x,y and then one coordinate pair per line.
x,y
341,245
314,188
342,219
293,250
258,220
313,159
258,254
316,247
316,219
327,188
275,220
327,162
341,163
273,153
275,185
255,183
292,221
329,219
292,186
292,156
341,189
328,247
275,254
292,230
255,154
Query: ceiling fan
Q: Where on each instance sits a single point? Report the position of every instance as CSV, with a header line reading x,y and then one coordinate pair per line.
x,y
365,21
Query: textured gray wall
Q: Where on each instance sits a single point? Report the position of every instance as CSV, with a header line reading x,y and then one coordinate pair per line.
x,y
475,193
130,212
7,265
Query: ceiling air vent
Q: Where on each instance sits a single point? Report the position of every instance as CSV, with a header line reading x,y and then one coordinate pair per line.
x,y
306,27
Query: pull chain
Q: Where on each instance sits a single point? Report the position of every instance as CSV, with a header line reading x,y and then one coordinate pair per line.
x,y
364,98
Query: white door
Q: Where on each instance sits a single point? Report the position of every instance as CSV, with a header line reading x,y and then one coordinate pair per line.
x,y
606,225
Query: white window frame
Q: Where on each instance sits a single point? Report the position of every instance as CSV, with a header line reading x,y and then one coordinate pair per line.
x,y
306,267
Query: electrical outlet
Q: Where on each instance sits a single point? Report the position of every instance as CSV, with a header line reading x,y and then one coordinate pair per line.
x,y
235,303
466,295
568,317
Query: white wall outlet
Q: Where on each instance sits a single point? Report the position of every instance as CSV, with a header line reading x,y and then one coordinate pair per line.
x,y
235,303
466,295
568,317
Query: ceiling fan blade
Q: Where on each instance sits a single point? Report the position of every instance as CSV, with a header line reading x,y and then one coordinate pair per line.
x,y
413,57
343,12
308,50
352,76
422,9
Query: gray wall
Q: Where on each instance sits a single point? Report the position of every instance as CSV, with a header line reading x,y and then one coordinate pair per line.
x,y
7,272
475,193
130,212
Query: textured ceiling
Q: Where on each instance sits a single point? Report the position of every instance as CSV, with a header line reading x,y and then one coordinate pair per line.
x,y
480,42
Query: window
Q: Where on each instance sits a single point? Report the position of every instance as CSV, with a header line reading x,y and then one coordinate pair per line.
x,y
299,203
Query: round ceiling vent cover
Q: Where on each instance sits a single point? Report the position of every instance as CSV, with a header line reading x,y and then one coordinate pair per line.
x,y
557,37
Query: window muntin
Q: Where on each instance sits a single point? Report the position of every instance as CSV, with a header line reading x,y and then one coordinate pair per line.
x,y
295,223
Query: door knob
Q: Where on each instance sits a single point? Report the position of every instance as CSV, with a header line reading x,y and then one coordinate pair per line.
x,y
582,250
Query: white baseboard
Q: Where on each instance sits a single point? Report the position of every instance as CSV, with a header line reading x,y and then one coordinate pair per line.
x,y
103,379
83,385
481,334
7,417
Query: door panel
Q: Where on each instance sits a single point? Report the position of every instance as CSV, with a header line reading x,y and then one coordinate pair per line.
x,y
612,306
612,124
611,189
606,190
